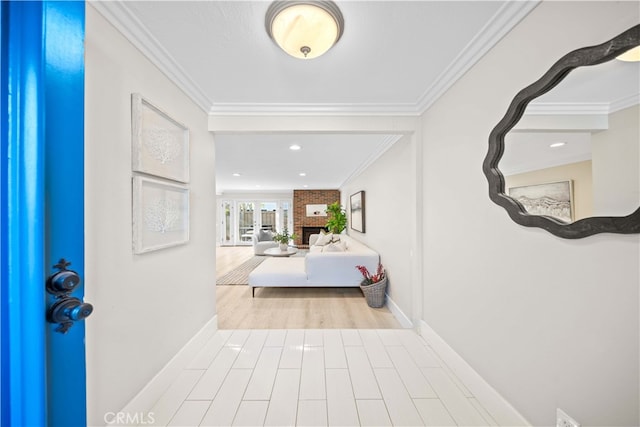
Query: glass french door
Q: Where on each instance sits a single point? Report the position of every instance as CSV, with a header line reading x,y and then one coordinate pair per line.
x,y
240,219
246,222
227,235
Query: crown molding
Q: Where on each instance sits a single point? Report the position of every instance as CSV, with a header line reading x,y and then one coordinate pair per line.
x,y
567,108
300,109
510,14
124,21
626,102
582,108
507,17
386,143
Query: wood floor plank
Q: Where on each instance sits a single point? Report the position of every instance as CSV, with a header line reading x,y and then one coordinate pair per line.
x,y
291,308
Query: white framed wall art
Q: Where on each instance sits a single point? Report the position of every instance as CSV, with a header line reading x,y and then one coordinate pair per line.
x,y
160,214
160,144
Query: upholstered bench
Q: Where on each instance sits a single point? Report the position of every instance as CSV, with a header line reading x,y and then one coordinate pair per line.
x,y
279,272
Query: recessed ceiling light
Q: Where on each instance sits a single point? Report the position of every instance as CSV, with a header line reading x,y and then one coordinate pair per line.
x,y
303,174
557,144
294,147
236,174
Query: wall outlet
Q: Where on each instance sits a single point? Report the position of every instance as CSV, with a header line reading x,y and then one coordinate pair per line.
x,y
564,420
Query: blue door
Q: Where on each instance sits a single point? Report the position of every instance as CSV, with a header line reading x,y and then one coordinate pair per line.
x,y
42,204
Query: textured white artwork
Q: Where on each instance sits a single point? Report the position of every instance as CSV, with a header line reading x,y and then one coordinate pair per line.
x,y
160,145
160,214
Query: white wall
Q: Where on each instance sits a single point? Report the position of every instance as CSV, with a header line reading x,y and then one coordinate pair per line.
x,y
616,164
548,322
146,306
389,186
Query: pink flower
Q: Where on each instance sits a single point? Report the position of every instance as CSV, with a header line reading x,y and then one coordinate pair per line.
x,y
370,279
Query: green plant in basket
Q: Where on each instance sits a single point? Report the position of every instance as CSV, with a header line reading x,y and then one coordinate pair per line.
x,y
284,237
370,279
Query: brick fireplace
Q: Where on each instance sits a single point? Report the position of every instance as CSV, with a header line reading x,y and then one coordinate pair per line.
x,y
304,225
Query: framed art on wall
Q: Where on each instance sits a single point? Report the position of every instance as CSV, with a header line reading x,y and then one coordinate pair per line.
x,y
356,205
160,144
160,214
316,210
553,199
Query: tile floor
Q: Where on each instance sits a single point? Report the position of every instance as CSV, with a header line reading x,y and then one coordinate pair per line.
x,y
335,377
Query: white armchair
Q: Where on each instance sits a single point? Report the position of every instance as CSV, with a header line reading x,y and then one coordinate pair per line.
x,y
263,240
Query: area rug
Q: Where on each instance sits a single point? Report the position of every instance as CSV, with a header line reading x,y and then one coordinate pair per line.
x,y
240,275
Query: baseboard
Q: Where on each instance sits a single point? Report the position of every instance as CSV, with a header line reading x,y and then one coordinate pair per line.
x,y
398,314
489,398
150,394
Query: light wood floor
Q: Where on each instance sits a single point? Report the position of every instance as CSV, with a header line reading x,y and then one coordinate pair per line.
x,y
291,308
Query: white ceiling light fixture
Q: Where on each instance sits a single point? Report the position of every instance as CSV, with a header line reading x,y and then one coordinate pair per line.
x,y
557,144
632,55
295,147
304,29
302,174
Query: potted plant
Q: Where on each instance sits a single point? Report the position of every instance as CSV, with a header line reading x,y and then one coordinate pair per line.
x,y
284,238
337,221
373,285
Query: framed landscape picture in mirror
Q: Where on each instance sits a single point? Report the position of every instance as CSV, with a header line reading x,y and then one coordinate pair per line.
x,y
356,207
554,199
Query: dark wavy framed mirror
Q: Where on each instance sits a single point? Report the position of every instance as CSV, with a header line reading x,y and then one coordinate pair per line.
x,y
562,206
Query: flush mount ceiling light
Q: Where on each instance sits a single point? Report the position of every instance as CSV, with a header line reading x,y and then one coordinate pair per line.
x,y
632,55
304,29
294,147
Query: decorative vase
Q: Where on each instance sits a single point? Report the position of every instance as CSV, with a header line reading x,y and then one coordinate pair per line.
x,y
374,293
283,247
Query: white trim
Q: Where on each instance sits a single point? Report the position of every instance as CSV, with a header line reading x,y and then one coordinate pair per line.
x,y
386,143
625,102
489,398
567,108
149,395
510,14
507,17
308,109
137,34
582,108
405,322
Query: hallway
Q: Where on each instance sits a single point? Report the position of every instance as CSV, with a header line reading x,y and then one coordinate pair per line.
x,y
318,377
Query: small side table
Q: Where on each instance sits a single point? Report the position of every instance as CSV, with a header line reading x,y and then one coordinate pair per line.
x,y
277,252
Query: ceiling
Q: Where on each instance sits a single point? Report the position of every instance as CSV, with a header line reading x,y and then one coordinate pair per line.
x,y
394,58
593,92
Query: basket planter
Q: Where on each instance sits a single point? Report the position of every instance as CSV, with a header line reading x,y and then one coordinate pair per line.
x,y
374,293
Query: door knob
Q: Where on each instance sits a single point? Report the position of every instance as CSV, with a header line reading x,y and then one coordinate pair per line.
x,y
66,309
64,281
